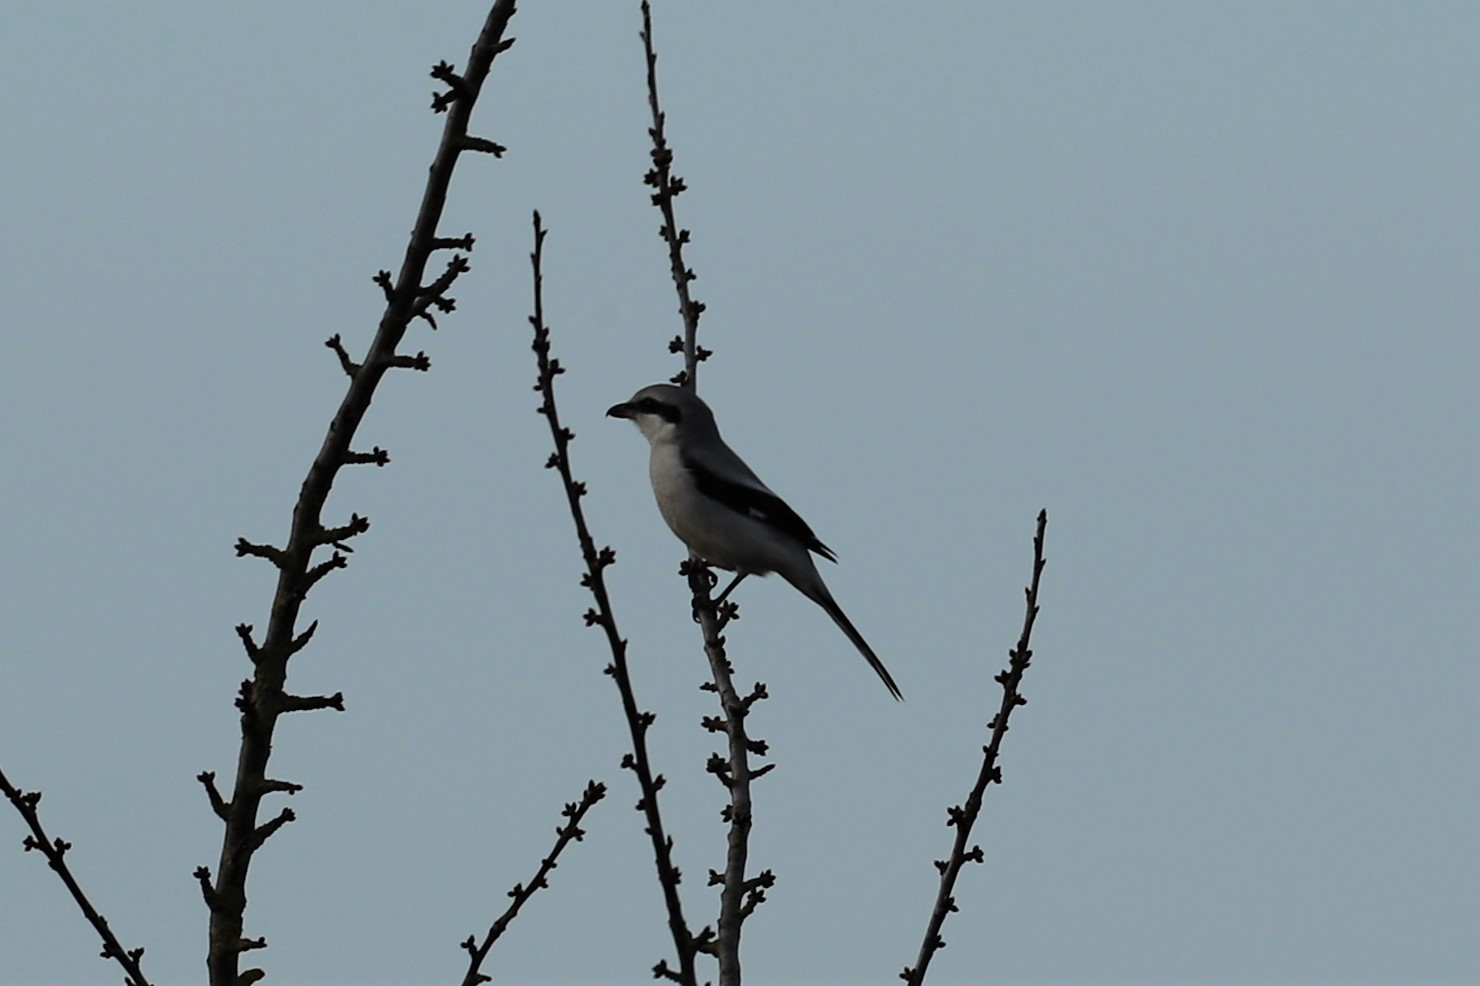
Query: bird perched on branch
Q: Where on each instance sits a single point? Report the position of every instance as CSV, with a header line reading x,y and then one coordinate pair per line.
x,y
722,511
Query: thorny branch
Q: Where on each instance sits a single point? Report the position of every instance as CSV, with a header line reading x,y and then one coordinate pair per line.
x,y
55,851
597,561
962,817
263,697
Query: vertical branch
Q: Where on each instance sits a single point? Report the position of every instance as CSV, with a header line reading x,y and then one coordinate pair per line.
x,y
738,896
667,187
263,698
963,817
597,561
55,851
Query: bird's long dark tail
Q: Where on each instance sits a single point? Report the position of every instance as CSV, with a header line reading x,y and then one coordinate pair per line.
x,y
847,627
818,593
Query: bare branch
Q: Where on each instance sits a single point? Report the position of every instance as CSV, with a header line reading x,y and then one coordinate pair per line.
x,y
335,535
456,87
483,146
597,561
301,641
376,456
203,876
434,295
55,851
263,698
737,896
737,774
963,817
667,187
266,830
218,804
313,575
571,831
274,555
312,703
244,631
349,366
419,362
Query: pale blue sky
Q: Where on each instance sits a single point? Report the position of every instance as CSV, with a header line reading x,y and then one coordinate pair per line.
x,y
1201,279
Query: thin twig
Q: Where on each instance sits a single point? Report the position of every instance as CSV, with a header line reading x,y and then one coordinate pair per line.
x,y
597,561
571,831
55,851
263,698
738,896
962,817
667,187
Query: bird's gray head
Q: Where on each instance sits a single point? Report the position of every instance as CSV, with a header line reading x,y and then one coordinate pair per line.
x,y
663,411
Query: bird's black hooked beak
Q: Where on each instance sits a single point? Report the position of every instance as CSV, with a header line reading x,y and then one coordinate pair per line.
x,y
623,410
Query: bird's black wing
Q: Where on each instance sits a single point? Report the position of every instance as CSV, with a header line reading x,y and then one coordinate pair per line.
x,y
753,500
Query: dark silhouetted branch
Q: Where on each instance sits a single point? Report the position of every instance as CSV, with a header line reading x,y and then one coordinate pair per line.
x,y
419,362
218,805
244,631
266,830
464,242
245,548
301,641
483,146
963,817
667,187
376,456
349,366
312,703
597,561
571,831
263,698
55,851
312,577
338,535
737,774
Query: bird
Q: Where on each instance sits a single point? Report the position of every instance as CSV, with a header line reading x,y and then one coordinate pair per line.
x,y
718,507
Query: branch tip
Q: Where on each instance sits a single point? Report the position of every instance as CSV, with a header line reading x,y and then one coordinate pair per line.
x,y
376,456
349,366
962,817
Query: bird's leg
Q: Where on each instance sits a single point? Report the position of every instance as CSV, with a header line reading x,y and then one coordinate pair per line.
x,y
729,588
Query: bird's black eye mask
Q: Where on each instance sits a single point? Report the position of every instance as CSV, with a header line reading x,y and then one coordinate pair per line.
x,y
668,412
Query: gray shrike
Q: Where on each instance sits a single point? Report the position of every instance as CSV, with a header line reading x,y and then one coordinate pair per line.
x,y
718,507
